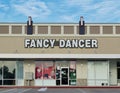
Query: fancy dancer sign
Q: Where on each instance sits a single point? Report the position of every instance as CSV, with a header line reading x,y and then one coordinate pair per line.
x,y
73,43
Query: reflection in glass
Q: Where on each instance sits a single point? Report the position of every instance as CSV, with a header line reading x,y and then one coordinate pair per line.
x,y
9,70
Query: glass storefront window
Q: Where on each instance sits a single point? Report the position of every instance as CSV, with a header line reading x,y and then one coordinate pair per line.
x,y
58,69
72,73
57,73
19,70
48,70
0,82
9,70
61,72
97,74
45,70
72,82
118,70
118,64
38,70
72,70
1,72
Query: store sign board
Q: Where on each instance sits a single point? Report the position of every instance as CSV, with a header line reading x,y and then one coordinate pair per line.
x,y
74,43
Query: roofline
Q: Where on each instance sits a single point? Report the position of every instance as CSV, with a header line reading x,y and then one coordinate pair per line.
x,y
52,23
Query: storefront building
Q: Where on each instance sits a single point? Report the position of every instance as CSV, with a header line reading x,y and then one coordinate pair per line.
x,y
58,55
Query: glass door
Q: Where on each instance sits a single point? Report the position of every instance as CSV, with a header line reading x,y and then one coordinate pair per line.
x,y
64,76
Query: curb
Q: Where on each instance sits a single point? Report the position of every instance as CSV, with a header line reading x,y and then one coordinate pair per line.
x,y
60,86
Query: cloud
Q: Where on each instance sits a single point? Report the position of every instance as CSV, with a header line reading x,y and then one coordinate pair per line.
x,y
105,11
67,18
4,7
3,10
62,11
100,11
78,2
32,8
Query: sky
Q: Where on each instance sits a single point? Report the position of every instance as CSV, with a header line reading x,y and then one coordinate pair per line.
x,y
63,11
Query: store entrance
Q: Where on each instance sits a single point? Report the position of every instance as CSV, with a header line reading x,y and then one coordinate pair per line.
x,y
64,75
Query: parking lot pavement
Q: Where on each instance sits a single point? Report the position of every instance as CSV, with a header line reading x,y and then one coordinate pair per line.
x,y
14,90
60,90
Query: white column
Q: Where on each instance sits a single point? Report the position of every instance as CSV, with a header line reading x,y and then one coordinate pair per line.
x,y
88,30
62,29
36,29
114,30
101,29
10,29
49,29
23,29
75,30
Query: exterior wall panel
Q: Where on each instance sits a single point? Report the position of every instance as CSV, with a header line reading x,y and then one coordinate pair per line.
x,y
56,30
29,66
4,29
94,30
42,29
107,30
16,29
68,29
81,69
117,29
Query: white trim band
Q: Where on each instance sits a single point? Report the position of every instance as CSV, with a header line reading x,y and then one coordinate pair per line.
x,y
61,56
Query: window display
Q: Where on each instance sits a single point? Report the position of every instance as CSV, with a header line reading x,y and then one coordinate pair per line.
x,y
72,73
45,70
38,70
63,72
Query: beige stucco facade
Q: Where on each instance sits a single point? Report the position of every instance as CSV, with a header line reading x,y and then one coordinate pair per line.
x,y
81,66
16,44
88,62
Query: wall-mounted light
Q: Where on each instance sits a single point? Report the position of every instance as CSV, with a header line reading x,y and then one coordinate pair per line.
x,y
29,26
81,20
81,26
29,20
